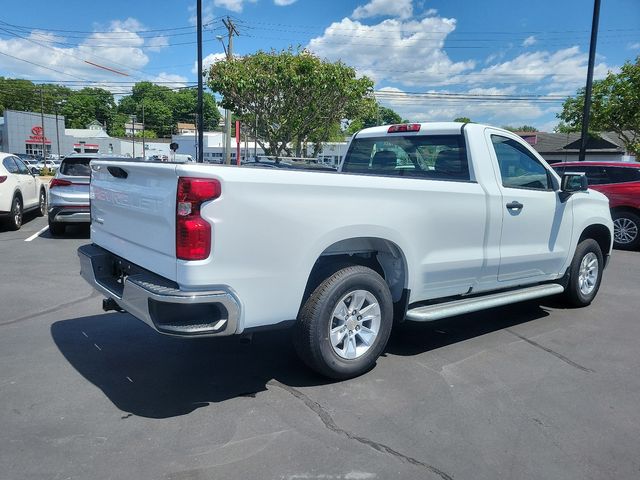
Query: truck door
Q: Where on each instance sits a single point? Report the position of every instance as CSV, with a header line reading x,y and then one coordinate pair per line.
x,y
536,225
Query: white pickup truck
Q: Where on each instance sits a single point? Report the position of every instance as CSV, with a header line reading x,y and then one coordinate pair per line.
x,y
420,222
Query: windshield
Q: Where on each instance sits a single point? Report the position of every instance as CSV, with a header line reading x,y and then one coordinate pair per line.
x,y
438,157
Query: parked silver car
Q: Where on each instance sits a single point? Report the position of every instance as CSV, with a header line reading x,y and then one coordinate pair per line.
x,y
69,192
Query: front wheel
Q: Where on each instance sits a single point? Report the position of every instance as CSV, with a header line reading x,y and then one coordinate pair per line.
x,y
585,274
625,230
345,323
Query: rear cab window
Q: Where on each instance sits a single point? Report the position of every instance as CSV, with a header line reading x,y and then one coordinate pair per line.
x,y
76,167
435,157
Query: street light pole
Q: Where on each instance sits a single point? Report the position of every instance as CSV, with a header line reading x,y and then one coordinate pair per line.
x,y
144,146
587,94
200,122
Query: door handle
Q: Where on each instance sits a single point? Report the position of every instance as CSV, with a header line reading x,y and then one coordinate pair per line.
x,y
515,205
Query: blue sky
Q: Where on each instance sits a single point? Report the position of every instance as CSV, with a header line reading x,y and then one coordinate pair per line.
x,y
490,51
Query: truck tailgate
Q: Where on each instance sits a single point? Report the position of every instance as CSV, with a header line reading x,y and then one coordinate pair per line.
x,y
133,208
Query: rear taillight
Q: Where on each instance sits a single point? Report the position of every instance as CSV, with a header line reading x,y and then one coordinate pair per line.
x,y
405,127
57,182
2,178
193,233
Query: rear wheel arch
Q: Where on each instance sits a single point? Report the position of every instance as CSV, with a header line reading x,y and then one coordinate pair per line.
x,y
383,256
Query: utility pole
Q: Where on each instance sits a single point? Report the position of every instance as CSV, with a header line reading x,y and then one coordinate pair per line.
x,y
200,115
195,119
587,94
44,149
57,104
144,146
231,31
133,136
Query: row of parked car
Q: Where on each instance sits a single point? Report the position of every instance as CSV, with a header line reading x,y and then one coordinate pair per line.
x,y
67,200
36,163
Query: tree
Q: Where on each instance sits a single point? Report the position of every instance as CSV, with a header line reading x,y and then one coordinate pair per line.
x,y
293,96
164,108
371,117
615,106
522,128
462,120
86,105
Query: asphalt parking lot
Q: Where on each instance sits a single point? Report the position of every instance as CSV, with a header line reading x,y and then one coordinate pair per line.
x,y
532,391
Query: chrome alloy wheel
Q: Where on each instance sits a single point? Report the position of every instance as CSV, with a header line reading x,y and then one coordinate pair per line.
x,y
624,230
354,324
43,203
17,213
588,273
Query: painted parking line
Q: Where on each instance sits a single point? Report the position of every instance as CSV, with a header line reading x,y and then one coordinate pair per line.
x,y
35,235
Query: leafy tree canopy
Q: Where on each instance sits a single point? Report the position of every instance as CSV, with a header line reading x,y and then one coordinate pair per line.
x,y
292,96
521,128
615,106
371,117
462,120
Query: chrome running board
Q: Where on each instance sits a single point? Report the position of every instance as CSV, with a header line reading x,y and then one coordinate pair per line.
x,y
467,305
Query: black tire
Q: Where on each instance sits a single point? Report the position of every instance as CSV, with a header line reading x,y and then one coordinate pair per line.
x,y
56,228
316,318
626,230
574,295
17,212
42,203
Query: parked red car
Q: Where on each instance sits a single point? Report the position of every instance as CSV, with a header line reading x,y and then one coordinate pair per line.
x,y
620,182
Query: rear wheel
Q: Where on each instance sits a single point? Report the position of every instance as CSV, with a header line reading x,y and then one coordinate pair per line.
x,y
56,228
42,204
585,274
15,220
625,230
345,323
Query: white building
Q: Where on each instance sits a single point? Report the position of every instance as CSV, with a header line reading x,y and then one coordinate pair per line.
x,y
213,147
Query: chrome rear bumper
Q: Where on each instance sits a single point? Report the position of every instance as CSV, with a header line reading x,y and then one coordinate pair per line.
x,y
159,302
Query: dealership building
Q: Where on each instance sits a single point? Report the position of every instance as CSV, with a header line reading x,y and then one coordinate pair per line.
x,y
28,132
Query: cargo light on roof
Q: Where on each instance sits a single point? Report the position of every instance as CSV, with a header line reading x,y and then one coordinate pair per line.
x,y
405,127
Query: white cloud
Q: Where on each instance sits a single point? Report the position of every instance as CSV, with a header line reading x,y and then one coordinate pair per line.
x,y
633,46
379,8
408,53
156,44
170,80
284,3
208,61
531,40
122,52
424,109
233,5
563,70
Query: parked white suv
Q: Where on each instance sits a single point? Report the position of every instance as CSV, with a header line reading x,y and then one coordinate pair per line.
x,y
20,191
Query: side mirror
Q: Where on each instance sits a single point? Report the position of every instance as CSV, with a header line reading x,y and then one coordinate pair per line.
x,y
573,182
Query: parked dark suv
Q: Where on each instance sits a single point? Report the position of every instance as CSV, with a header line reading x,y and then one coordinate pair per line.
x,y
620,182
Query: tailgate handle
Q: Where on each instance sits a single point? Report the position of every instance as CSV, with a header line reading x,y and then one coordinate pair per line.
x,y
118,172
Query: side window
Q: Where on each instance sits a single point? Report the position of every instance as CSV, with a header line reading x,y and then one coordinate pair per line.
x,y
597,175
624,174
10,164
518,167
22,168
